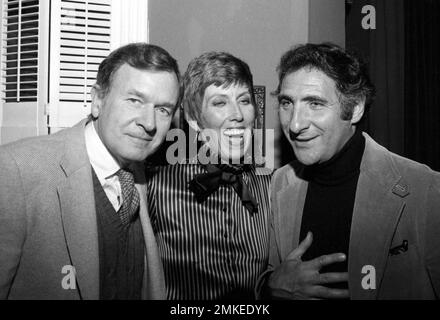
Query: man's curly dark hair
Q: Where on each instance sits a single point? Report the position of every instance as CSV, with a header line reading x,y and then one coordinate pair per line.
x,y
347,70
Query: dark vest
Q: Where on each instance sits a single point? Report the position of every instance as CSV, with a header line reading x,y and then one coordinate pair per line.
x,y
121,251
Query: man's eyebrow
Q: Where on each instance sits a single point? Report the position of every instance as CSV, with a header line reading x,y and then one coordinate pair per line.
x,y
165,105
314,98
284,97
136,93
145,97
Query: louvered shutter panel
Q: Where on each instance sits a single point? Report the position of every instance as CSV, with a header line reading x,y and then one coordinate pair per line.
x,y
78,46
24,54
50,53
20,50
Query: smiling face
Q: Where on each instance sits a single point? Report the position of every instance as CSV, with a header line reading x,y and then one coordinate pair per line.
x,y
310,115
229,114
135,115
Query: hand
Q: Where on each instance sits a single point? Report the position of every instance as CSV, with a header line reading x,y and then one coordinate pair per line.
x,y
297,279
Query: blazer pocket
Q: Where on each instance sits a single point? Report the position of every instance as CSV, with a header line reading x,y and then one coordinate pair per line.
x,y
402,272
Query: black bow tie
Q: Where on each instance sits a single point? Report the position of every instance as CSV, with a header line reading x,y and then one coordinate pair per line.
x,y
204,184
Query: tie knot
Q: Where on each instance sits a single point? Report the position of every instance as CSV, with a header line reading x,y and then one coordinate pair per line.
x,y
125,177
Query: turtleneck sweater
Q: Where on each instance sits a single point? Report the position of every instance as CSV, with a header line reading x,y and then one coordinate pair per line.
x,y
328,207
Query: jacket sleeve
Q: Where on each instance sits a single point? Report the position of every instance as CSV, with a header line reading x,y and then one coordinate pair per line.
x,y
12,220
274,257
432,235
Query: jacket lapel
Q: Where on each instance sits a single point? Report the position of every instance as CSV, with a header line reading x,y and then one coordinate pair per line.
x,y
78,214
290,199
153,287
377,210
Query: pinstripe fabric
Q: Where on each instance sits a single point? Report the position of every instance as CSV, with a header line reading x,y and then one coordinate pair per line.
x,y
212,250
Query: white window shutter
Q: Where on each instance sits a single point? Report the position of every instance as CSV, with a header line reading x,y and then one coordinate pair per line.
x,y
80,40
23,57
20,76
65,43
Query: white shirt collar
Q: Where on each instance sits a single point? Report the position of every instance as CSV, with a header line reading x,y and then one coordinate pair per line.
x,y
101,160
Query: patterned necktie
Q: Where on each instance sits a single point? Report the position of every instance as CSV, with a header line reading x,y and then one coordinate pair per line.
x,y
204,184
130,197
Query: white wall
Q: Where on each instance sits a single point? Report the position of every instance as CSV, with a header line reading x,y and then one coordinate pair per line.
x,y
327,21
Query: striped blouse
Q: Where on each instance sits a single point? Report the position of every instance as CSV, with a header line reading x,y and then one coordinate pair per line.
x,y
210,250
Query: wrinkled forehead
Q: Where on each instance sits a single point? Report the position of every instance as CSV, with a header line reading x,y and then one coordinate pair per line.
x,y
309,80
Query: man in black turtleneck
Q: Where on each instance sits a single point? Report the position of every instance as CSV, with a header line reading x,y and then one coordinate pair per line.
x,y
350,219
329,202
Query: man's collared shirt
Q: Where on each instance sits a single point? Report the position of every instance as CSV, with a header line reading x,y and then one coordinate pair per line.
x,y
121,250
105,166
210,250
